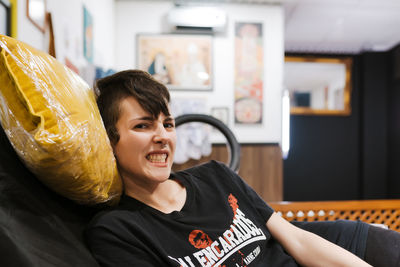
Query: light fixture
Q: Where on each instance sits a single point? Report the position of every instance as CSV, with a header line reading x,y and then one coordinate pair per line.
x,y
285,124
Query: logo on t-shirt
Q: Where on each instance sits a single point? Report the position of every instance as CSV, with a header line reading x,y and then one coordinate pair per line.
x,y
214,253
199,239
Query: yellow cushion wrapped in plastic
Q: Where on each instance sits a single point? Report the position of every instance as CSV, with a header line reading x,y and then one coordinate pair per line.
x,y
51,118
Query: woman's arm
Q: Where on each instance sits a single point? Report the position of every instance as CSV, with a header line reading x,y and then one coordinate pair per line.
x,y
309,249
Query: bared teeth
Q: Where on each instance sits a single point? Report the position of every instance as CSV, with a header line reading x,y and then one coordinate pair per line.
x,y
157,157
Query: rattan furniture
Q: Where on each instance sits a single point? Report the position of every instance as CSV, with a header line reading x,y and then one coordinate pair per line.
x,y
381,212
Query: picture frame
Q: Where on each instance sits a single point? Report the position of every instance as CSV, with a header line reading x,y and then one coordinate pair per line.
x,y
180,61
318,85
88,32
49,36
248,73
5,15
36,13
221,113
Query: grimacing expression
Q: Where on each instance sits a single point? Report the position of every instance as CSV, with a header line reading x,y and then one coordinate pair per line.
x,y
146,147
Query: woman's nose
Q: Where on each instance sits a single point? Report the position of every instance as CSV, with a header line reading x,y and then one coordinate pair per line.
x,y
161,135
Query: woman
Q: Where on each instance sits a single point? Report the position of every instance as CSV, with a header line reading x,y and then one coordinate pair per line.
x,y
204,216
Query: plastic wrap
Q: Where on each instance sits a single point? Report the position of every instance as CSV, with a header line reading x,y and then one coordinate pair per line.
x,y
51,118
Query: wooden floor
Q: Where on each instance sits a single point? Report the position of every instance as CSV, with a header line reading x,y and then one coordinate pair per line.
x,y
261,167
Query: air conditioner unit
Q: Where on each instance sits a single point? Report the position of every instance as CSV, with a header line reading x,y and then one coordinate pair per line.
x,y
191,18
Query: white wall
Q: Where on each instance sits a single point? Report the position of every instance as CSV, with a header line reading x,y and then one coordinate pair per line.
x,y
117,23
27,32
67,19
144,17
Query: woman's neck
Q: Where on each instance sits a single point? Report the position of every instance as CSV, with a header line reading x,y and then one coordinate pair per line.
x,y
166,197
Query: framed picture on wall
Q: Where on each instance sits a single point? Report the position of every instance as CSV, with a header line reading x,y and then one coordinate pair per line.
x,y
221,113
180,61
88,44
36,13
249,69
5,21
318,85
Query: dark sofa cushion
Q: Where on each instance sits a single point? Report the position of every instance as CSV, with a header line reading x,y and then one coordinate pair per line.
x,y
37,226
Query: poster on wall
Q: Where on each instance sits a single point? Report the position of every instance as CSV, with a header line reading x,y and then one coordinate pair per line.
x,y
221,113
180,61
36,12
87,35
248,84
5,18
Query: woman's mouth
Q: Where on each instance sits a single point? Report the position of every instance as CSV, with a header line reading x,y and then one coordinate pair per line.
x,y
157,158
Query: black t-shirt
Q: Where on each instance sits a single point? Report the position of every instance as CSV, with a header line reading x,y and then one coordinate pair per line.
x,y
222,223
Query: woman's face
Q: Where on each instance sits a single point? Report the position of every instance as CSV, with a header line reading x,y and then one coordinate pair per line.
x,y
146,146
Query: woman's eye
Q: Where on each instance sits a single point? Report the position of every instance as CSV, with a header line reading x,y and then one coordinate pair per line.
x,y
140,126
169,125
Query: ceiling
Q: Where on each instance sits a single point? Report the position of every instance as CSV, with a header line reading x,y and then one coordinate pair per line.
x,y
341,26
334,26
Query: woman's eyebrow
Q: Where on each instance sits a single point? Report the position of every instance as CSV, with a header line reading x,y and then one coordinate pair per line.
x,y
145,118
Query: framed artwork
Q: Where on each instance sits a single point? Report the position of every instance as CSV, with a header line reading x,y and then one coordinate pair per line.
x,y
180,61
318,85
5,15
49,35
221,113
87,35
249,68
36,13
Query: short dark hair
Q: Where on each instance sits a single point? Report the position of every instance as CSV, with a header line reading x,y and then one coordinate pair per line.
x,y
151,95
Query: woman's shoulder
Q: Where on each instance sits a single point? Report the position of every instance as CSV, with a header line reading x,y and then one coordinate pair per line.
x,y
127,209
207,168
212,172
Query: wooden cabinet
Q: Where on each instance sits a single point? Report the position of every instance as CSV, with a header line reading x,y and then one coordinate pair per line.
x,y
261,166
